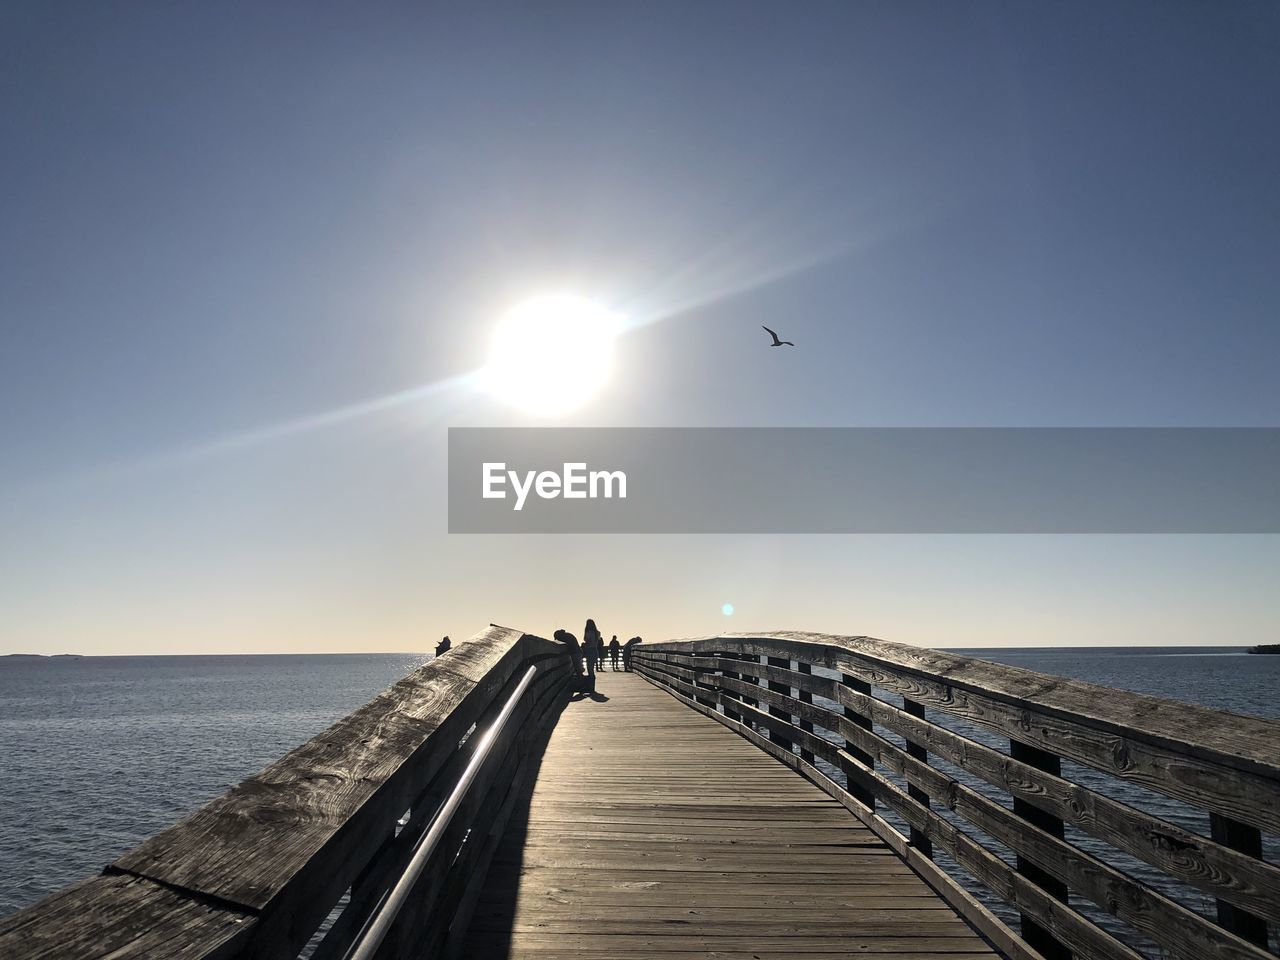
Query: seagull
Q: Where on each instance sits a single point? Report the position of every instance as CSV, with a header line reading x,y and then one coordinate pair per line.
x,y
776,341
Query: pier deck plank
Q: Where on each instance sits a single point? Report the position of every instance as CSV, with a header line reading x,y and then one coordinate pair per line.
x,y
655,832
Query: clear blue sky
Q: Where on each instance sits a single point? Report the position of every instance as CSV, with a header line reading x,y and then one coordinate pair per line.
x,y
224,222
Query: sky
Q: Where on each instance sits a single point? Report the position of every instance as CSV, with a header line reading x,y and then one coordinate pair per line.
x,y
252,255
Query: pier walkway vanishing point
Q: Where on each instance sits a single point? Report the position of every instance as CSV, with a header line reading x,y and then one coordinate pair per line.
x,y
653,831
790,795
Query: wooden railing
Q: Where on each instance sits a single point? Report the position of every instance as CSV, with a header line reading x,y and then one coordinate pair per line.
x,y
902,726
297,858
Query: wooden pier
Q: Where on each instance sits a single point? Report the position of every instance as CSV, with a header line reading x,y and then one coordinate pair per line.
x,y
655,832
727,800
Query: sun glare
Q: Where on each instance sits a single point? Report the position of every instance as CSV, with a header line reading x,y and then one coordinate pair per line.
x,y
552,354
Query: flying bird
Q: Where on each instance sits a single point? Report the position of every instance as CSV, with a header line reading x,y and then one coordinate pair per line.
x,y
776,341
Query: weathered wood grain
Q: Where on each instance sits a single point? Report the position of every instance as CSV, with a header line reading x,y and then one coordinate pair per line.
x,y
126,918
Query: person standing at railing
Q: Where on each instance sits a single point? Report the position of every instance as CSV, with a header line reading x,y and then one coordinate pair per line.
x,y
591,641
628,649
615,650
443,646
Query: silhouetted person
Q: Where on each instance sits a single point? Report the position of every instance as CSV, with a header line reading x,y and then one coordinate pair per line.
x,y
591,641
443,646
575,653
615,651
628,649
600,651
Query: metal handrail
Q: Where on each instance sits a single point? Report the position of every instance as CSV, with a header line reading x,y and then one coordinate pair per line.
x,y
379,924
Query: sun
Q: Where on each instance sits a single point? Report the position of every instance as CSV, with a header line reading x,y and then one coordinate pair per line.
x,y
551,354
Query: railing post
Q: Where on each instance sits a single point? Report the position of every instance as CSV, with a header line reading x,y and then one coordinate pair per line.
x,y
857,790
750,701
362,887
730,695
703,685
1033,933
919,839
1248,840
779,738
806,725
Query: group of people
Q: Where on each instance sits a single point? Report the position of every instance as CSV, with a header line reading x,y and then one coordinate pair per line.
x,y
593,651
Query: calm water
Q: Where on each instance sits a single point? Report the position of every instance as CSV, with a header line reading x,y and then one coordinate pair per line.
x,y
99,753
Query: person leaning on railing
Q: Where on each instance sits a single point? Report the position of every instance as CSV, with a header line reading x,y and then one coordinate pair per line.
x,y
627,649
585,682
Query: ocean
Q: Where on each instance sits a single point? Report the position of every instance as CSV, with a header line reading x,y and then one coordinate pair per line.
x,y
99,753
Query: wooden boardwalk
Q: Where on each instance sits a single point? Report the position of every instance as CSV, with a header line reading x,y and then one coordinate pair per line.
x,y
654,832
687,813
